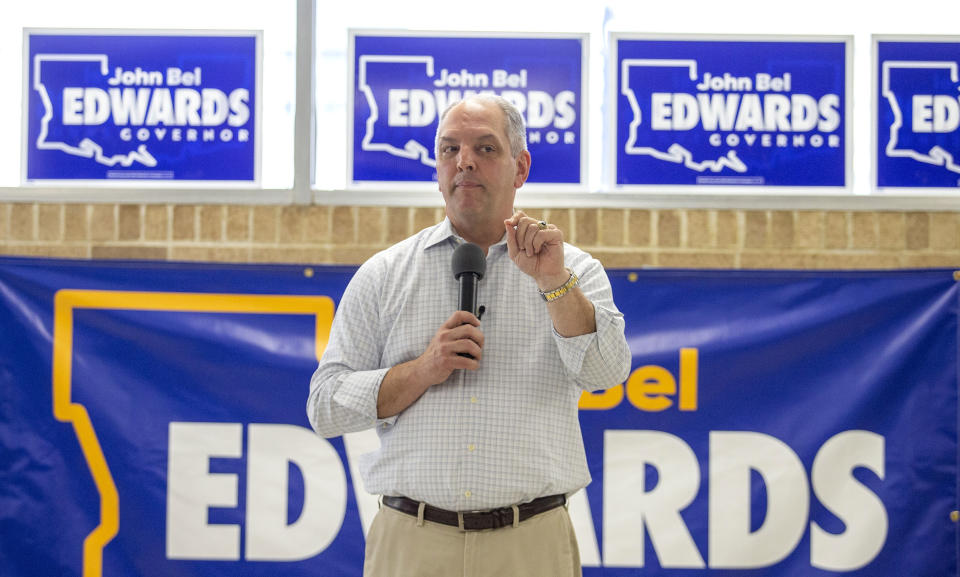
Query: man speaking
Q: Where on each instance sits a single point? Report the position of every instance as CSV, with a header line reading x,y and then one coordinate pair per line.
x,y
480,438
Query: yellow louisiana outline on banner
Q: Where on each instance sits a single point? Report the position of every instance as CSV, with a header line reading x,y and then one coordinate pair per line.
x,y
64,410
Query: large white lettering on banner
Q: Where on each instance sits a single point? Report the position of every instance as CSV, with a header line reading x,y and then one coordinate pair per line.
x,y
192,489
630,507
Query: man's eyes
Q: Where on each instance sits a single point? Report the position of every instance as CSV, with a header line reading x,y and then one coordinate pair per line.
x,y
451,149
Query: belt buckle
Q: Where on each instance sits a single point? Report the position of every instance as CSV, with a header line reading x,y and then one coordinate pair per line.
x,y
499,518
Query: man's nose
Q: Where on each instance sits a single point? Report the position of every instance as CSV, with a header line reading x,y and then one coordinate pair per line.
x,y
465,160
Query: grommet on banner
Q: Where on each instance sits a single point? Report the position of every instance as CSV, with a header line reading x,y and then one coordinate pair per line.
x,y
956,275
955,516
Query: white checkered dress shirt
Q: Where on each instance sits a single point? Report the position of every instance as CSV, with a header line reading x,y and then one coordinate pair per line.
x,y
504,434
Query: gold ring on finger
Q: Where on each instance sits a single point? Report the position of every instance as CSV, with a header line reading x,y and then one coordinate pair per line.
x,y
542,225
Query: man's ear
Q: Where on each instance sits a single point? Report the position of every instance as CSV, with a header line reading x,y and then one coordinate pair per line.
x,y
523,168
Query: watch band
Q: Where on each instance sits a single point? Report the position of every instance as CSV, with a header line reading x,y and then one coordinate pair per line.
x,y
550,296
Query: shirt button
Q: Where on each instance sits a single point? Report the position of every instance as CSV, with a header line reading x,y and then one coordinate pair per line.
x,y
468,494
471,447
473,399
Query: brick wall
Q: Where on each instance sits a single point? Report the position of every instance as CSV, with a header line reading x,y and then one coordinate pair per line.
x,y
620,238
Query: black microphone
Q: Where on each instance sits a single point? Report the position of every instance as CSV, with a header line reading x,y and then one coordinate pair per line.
x,y
469,264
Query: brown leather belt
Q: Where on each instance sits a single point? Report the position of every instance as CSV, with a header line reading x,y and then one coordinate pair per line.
x,y
476,521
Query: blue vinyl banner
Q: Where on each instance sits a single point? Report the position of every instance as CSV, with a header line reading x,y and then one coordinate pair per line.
x,y
401,83
917,112
775,423
692,111
157,106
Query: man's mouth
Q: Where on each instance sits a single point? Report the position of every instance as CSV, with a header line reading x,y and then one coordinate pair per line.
x,y
464,183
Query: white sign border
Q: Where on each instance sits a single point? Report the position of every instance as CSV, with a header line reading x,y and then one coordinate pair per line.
x,y
407,186
166,184
875,189
610,138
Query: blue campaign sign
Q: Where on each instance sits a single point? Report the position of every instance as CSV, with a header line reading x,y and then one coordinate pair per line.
x,y
917,116
401,83
708,112
107,105
774,424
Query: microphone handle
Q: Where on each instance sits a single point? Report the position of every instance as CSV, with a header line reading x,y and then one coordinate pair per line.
x,y
468,297
468,292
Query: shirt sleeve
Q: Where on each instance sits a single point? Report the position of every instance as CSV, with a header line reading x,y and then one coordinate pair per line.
x,y
602,359
345,386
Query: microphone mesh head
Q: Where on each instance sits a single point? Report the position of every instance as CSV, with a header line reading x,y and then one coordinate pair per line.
x,y
468,257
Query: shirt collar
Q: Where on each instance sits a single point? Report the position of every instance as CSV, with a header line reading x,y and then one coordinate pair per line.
x,y
440,233
445,231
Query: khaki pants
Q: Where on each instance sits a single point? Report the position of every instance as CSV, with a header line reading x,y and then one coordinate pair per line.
x,y
542,546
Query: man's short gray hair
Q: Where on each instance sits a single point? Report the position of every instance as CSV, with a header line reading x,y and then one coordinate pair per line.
x,y
515,127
